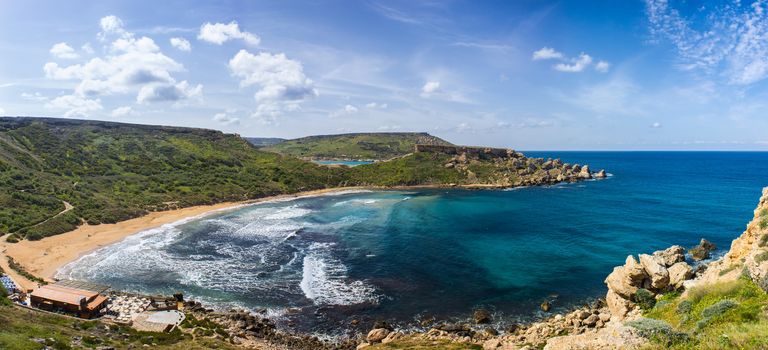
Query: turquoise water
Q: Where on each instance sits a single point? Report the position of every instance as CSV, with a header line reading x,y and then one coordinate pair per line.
x,y
316,263
343,162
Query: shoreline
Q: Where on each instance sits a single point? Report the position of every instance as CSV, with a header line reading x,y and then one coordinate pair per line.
x,y
45,257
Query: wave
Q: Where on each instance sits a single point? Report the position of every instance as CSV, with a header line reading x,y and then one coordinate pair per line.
x,y
324,280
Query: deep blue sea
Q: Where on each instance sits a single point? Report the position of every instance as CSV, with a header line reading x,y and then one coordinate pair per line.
x,y
317,263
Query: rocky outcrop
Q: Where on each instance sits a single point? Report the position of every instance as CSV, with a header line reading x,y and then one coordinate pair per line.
x,y
660,272
703,250
509,168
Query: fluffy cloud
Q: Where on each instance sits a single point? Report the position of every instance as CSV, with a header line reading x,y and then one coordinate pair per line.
x,y
602,66
219,33
656,125
122,111
727,39
546,53
75,105
63,50
430,88
111,25
226,119
131,66
280,81
350,109
569,65
181,44
575,65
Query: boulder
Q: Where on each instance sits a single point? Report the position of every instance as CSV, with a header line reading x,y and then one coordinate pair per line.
x,y
376,335
679,273
625,280
655,269
701,251
600,174
546,306
482,316
671,255
618,306
392,336
585,173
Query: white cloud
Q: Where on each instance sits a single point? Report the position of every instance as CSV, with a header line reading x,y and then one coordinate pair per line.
x,y
430,88
220,33
175,92
726,39
130,66
37,97
87,48
63,50
181,44
576,65
112,25
546,53
569,65
656,125
122,111
2,111
350,109
374,105
75,105
602,66
226,119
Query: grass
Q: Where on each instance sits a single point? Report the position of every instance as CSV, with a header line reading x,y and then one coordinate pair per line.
x,y
726,315
20,327
379,146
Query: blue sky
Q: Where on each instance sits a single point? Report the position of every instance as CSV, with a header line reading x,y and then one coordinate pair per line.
x,y
524,74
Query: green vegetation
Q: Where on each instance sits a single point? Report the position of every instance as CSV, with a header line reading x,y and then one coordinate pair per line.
x,y
762,256
645,299
414,169
726,315
24,273
22,329
379,146
263,141
112,172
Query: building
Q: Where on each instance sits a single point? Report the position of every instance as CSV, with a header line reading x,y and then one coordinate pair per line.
x,y
82,299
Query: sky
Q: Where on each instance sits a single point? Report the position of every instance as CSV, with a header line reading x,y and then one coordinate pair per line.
x,y
530,75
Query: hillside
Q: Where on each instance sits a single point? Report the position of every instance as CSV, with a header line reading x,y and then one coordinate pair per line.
x,y
263,141
110,172
359,146
469,167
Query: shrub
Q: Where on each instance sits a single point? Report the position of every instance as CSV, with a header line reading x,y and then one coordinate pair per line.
x,y
12,238
658,331
763,240
718,308
763,223
684,307
645,299
761,257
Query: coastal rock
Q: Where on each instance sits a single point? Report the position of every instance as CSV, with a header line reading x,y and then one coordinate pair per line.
x,y
376,335
656,271
584,173
392,336
625,280
614,336
618,306
600,174
671,255
546,306
482,316
679,273
702,251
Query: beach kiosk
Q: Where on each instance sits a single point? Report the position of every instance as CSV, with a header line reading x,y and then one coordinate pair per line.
x,y
72,297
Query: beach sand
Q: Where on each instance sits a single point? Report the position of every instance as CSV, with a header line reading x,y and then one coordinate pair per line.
x,y
44,257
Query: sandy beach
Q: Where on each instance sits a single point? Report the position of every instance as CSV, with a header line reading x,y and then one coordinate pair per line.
x,y
44,257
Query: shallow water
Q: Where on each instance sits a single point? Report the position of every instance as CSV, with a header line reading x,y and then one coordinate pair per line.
x,y
318,262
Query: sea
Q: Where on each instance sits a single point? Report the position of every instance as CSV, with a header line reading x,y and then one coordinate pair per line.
x,y
334,264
